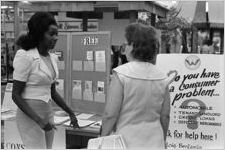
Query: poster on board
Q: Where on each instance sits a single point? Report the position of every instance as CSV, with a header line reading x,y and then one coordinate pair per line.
x,y
197,100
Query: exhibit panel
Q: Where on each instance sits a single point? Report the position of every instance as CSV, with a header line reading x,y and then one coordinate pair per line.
x,y
61,49
197,100
90,70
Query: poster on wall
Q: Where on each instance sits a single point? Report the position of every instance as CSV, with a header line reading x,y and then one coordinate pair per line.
x,y
197,101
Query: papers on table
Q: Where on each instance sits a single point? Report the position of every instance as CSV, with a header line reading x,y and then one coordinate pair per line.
x,y
107,142
60,113
97,124
84,116
9,114
60,117
60,120
4,110
82,123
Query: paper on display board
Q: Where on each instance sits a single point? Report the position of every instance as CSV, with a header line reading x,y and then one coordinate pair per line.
x,y
100,67
100,56
77,84
90,55
197,100
88,65
100,63
88,86
77,89
99,96
88,95
100,87
77,65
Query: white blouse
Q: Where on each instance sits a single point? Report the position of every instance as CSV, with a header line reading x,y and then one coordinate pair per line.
x,y
30,68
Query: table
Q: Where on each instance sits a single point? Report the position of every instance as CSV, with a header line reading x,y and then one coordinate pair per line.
x,y
78,138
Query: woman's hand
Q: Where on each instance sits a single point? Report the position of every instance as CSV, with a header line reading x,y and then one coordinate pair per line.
x,y
47,126
73,121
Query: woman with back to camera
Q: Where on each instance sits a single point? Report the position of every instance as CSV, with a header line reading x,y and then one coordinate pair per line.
x,y
35,73
138,107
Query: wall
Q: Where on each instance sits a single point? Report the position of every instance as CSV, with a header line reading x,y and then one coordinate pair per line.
x,y
116,26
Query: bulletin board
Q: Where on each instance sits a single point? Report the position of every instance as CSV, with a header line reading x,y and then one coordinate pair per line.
x,y
90,70
61,49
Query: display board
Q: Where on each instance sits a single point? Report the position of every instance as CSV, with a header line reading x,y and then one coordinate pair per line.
x,y
197,100
90,70
61,49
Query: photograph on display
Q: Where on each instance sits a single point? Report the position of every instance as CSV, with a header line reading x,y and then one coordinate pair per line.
x,y
88,86
100,87
77,89
77,85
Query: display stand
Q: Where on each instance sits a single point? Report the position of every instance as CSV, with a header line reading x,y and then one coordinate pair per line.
x,y
61,49
84,69
90,70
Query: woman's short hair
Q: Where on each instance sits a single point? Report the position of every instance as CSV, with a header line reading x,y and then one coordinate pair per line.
x,y
144,40
37,25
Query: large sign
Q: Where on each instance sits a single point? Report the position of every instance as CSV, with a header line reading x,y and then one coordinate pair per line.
x,y
77,25
197,101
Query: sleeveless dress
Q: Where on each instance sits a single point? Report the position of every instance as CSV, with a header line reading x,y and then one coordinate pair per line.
x,y
144,93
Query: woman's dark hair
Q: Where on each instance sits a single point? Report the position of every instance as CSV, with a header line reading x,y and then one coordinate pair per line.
x,y
144,41
37,26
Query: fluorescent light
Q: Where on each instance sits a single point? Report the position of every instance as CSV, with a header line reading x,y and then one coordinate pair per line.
x,y
5,7
27,2
207,7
